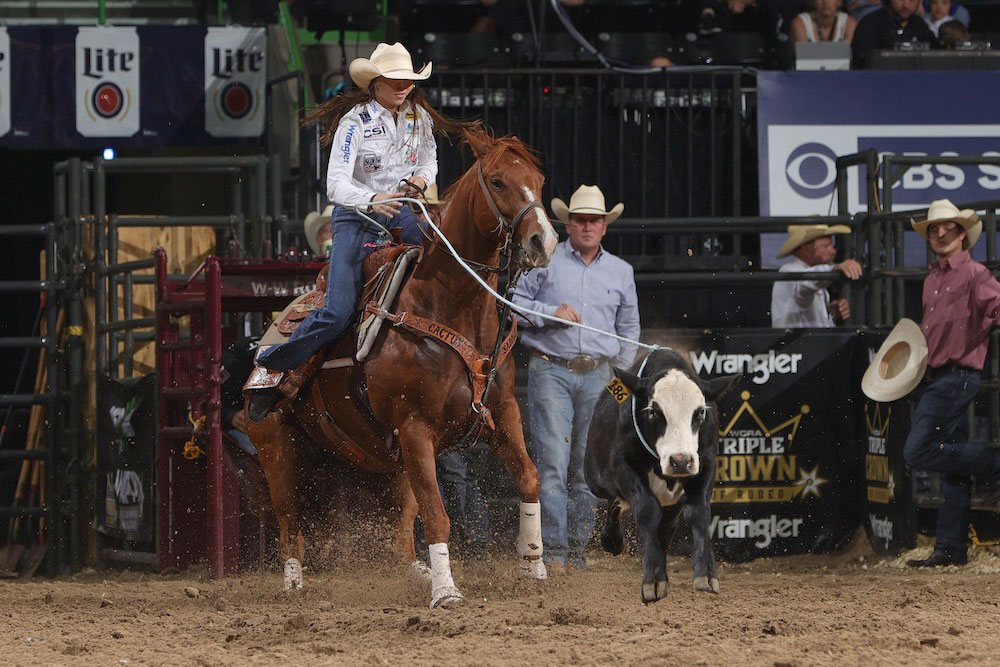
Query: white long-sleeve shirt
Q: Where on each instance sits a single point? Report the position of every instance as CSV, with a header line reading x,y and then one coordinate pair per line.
x,y
371,152
805,303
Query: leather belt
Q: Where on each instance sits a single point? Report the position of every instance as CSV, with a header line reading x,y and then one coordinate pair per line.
x,y
951,367
583,363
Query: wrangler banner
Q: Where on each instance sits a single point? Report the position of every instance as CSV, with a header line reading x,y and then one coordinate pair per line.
x,y
889,516
787,478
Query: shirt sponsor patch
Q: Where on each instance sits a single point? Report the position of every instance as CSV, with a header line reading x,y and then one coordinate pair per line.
x,y
412,157
365,116
346,150
371,162
377,131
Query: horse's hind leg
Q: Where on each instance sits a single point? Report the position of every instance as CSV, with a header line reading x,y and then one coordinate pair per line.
x,y
406,502
275,442
417,444
508,444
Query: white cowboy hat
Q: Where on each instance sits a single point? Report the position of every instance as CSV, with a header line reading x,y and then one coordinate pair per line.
x,y
391,62
314,220
589,200
801,234
943,210
899,364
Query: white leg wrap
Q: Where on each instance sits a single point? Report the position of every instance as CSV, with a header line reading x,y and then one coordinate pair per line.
x,y
293,574
529,542
419,569
443,590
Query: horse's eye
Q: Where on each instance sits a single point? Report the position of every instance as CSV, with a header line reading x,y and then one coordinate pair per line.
x,y
497,183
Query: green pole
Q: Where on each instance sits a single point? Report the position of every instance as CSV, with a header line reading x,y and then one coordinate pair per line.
x,y
294,53
102,12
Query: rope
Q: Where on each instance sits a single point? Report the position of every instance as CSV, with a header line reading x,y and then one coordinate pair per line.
x,y
485,285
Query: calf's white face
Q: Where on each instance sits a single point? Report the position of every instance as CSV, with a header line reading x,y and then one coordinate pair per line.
x,y
676,411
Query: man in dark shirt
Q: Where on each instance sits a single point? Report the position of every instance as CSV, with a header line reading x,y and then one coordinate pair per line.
x,y
897,21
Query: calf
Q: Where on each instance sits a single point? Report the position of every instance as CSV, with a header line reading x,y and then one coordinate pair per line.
x,y
652,448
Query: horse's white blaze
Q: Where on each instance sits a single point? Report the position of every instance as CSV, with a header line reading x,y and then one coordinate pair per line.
x,y
549,237
677,397
667,493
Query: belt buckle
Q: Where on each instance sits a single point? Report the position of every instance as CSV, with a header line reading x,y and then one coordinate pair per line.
x,y
582,364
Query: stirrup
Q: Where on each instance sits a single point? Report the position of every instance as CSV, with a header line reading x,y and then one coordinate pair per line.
x,y
261,403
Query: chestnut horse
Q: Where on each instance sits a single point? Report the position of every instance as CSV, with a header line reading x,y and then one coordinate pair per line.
x,y
420,390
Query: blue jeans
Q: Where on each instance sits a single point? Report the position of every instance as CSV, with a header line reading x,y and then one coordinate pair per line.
x,y
463,499
560,405
348,250
938,442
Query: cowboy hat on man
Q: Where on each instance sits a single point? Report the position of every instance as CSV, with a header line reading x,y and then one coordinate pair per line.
x,y
387,61
943,210
313,224
799,235
587,200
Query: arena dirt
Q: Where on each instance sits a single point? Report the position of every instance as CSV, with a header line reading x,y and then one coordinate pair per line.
x,y
847,608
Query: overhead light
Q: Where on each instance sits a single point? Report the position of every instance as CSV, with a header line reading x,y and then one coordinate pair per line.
x,y
108,153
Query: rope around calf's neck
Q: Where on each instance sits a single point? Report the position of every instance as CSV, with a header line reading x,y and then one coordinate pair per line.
x,y
497,296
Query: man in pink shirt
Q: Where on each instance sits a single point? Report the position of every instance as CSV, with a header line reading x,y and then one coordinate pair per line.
x,y
961,303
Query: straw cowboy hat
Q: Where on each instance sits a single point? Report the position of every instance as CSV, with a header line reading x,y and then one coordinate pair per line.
x,y
392,62
801,234
899,364
943,210
588,200
313,222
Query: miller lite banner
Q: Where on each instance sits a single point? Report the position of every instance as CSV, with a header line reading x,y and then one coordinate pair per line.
x,y
787,476
4,81
107,82
807,119
143,86
235,81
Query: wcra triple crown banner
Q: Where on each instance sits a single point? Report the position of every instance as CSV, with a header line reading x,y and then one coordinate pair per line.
x,y
787,476
88,87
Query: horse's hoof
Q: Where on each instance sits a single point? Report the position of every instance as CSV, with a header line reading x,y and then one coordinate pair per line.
x,y
653,591
532,567
293,575
446,596
419,569
706,585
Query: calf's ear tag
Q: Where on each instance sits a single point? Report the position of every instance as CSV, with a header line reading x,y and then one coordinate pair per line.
x,y
618,390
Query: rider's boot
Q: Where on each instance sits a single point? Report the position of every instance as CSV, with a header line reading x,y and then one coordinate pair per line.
x,y
263,401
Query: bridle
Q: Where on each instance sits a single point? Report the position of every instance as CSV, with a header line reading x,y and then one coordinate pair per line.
x,y
502,221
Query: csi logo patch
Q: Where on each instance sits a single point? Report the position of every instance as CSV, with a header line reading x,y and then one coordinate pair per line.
x,y
371,162
107,100
811,170
377,131
237,99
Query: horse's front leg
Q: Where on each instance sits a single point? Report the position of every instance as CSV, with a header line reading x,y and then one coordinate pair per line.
x,y
403,543
508,444
416,439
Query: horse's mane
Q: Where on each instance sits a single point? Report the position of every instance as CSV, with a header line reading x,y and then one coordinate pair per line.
x,y
489,150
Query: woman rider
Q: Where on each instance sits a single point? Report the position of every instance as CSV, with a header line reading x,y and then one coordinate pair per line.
x,y
382,148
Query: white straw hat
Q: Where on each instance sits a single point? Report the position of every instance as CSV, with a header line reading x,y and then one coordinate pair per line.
x,y
801,234
391,62
943,210
314,220
588,200
899,364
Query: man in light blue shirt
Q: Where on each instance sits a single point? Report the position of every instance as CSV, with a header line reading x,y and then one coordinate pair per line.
x,y
570,367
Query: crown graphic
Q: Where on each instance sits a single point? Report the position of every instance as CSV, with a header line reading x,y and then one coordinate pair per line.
x,y
746,408
876,423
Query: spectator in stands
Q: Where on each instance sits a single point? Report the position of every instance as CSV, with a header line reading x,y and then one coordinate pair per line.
x,y
937,13
952,34
806,303
823,23
570,367
961,304
896,21
317,231
384,147
728,16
